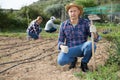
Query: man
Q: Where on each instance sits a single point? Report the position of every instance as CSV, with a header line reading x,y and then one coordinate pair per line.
x,y
50,26
34,29
72,40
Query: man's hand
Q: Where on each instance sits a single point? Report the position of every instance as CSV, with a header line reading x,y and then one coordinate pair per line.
x,y
93,28
64,48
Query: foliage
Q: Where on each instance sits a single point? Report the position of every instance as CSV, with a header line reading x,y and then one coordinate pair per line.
x,y
3,18
86,3
33,12
103,73
114,37
9,21
115,55
57,21
54,10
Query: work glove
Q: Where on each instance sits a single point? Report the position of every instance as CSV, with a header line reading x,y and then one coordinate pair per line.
x,y
64,49
93,28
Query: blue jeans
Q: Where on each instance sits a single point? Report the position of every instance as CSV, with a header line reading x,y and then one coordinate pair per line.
x,y
83,50
51,30
34,35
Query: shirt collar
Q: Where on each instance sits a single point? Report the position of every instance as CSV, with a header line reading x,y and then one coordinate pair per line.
x,y
79,21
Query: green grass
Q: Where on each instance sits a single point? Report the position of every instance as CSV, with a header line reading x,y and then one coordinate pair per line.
x,y
108,72
13,34
113,31
23,34
49,35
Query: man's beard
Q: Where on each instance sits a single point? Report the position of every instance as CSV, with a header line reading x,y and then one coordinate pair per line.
x,y
73,18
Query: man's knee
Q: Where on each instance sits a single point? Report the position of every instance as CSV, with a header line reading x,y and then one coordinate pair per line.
x,y
90,45
61,59
60,62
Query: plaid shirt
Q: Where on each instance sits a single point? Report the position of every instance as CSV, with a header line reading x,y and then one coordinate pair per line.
x,y
33,27
74,35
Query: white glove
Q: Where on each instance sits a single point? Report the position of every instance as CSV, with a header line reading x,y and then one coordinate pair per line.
x,y
64,49
93,28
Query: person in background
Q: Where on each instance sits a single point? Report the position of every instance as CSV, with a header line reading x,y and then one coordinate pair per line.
x,y
73,38
50,26
34,29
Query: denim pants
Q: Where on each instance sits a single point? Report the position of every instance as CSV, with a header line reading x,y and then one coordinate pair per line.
x,y
34,35
83,50
51,30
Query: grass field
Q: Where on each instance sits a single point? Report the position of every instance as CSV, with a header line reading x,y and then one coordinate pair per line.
x,y
23,34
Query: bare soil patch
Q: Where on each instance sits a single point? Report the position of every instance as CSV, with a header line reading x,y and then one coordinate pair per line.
x,y
37,60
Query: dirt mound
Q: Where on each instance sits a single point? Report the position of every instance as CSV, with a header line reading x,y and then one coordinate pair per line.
x,y
36,60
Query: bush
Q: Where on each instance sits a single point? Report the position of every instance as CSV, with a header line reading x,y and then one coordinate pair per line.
x,y
57,21
115,57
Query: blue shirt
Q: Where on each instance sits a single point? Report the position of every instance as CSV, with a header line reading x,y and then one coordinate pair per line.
x,y
71,36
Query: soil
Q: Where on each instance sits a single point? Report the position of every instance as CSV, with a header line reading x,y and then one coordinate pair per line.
x,y
21,59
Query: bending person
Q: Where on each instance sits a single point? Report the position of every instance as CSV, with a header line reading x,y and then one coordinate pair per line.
x,y
34,29
50,26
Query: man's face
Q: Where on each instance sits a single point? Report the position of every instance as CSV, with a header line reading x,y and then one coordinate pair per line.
x,y
73,13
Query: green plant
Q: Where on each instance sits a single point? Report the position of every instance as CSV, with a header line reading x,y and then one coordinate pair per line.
x,y
115,57
103,73
57,21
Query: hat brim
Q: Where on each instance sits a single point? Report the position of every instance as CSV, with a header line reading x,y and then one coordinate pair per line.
x,y
67,7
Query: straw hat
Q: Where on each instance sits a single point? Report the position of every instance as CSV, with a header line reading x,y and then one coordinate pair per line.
x,y
67,7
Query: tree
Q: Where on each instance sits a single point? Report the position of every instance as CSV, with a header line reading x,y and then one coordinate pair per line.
x,y
3,20
54,10
86,3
